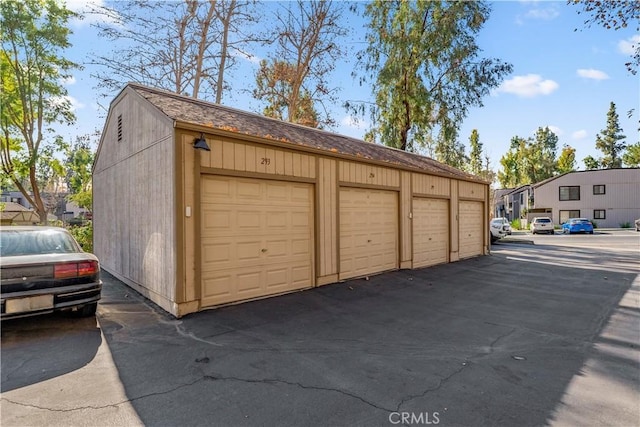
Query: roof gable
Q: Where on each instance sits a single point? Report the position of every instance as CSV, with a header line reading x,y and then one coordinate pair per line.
x,y
197,112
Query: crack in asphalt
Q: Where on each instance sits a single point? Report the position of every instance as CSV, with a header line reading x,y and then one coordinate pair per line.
x,y
111,405
296,384
442,382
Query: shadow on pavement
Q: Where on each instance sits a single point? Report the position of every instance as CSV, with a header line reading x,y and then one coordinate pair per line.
x,y
485,341
39,348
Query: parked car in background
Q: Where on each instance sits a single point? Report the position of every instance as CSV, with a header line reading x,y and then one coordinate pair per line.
x,y
541,224
637,222
577,225
499,228
43,269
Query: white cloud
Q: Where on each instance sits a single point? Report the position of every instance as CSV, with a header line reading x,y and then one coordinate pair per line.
x,y
74,103
528,86
68,81
556,130
579,134
91,12
592,74
546,14
628,46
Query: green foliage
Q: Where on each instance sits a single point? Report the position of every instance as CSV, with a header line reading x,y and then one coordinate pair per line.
x,y
34,33
449,150
84,235
610,141
632,157
591,163
475,155
625,225
78,164
516,224
529,161
595,224
424,62
567,160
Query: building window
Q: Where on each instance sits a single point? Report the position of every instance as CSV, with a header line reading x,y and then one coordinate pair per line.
x,y
570,192
565,215
599,189
599,213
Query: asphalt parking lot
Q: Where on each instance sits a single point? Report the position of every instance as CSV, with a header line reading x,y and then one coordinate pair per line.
x,y
531,335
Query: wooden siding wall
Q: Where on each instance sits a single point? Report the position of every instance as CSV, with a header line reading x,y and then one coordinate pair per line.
x,y
241,157
361,173
429,185
327,211
134,193
406,227
471,190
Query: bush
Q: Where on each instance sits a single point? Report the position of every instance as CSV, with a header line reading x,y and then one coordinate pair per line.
x,y
595,224
84,235
515,224
625,225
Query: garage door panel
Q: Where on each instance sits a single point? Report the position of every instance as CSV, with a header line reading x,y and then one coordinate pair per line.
x,y
430,232
471,233
368,231
257,238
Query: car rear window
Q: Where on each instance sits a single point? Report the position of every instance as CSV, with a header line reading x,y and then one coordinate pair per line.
x,y
543,220
33,242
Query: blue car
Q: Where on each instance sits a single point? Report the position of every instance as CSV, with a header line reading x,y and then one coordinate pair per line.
x,y
577,225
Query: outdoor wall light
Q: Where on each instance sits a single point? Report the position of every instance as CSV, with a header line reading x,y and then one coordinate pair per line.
x,y
201,143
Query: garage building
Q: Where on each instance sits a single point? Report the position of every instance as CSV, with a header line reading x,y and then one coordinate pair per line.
x,y
272,208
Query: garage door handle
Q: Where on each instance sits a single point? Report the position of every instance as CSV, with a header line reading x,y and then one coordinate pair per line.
x,y
263,250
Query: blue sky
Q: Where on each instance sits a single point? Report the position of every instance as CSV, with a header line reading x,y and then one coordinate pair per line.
x,y
561,78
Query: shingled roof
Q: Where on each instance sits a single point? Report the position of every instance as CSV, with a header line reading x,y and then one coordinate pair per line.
x,y
193,111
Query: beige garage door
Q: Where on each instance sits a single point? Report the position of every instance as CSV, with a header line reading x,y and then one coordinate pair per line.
x,y
257,238
471,229
368,231
430,232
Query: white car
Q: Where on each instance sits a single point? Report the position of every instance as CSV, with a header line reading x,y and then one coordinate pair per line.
x,y
499,228
541,225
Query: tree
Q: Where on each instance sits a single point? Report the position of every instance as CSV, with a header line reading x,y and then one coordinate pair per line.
x,y
541,156
530,160
34,35
512,175
294,80
567,160
475,155
186,47
449,150
591,163
78,164
423,60
613,14
610,141
632,157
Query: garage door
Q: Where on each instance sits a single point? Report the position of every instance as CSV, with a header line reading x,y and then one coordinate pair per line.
x,y
471,229
257,238
368,231
430,232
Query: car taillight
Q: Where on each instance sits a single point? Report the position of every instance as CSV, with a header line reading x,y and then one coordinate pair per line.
x,y
75,269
